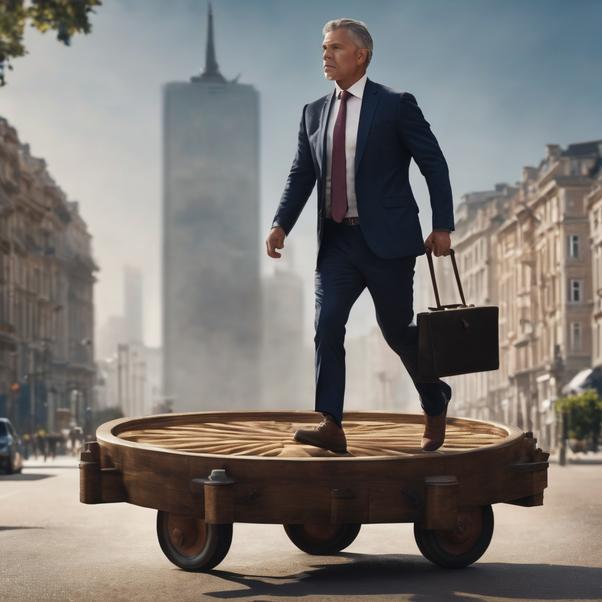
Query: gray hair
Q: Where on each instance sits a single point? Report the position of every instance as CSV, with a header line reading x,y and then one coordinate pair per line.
x,y
357,30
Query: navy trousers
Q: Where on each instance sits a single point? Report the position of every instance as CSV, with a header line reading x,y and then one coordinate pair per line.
x,y
345,266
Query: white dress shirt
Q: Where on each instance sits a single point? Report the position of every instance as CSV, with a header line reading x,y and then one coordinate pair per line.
x,y
354,104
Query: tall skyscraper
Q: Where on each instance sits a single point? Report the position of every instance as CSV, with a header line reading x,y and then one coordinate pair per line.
x,y
211,212
132,304
288,369
110,334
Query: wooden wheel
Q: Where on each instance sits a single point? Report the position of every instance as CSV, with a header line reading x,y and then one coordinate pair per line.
x,y
322,538
461,546
262,435
191,543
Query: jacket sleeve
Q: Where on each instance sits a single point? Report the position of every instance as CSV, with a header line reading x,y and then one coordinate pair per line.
x,y
420,141
299,184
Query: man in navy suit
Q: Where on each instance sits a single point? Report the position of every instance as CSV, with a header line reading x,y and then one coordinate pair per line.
x,y
357,143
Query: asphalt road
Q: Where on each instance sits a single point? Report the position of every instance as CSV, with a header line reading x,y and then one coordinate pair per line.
x,y
52,547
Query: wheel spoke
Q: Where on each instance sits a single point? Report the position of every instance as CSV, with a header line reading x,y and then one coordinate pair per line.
x,y
392,436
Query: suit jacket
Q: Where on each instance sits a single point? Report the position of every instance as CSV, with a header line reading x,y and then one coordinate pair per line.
x,y
391,130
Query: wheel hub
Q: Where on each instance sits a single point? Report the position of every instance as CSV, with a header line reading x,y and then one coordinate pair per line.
x,y
321,531
187,534
466,532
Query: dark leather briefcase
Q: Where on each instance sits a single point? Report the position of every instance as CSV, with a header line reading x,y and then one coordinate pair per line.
x,y
456,339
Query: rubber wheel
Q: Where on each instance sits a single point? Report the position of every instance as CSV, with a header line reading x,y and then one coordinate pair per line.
x,y
459,547
191,543
322,538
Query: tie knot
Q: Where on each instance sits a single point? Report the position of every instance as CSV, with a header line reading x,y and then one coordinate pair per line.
x,y
344,94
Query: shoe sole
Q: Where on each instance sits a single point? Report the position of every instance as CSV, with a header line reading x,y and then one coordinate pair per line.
x,y
433,449
308,441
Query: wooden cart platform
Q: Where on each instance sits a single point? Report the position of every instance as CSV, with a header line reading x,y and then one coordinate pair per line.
x,y
205,471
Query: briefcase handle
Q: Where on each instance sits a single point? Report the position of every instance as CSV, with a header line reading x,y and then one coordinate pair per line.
x,y
432,270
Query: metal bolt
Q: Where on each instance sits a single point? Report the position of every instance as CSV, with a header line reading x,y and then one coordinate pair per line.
x,y
219,474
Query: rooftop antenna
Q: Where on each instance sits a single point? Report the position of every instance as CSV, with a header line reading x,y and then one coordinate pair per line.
x,y
211,73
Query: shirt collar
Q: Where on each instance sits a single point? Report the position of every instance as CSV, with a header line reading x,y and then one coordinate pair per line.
x,y
357,89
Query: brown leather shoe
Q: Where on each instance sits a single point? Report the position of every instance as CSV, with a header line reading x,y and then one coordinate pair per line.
x,y
434,431
327,435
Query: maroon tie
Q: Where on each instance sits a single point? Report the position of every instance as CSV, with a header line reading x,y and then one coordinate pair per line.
x,y
338,176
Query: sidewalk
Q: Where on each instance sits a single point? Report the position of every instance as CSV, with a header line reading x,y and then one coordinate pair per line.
x,y
577,458
59,461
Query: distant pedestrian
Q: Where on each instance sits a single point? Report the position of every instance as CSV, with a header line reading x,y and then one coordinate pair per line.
x,y
34,445
42,443
72,438
76,438
52,439
26,445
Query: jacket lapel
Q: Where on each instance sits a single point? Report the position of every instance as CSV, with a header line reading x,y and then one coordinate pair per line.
x,y
369,103
321,148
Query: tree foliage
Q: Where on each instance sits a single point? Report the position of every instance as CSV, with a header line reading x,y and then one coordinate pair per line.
x,y
584,414
66,17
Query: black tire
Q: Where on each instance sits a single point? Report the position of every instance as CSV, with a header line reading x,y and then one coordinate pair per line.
x,y
191,543
10,467
322,539
459,547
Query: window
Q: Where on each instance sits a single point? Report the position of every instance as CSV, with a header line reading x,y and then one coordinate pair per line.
x,y
573,244
575,169
575,293
576,336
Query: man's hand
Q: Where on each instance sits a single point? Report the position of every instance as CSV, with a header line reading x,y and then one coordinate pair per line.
x,y
275,240
439,242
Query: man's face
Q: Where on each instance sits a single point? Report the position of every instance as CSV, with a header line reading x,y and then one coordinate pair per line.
x,y
341,58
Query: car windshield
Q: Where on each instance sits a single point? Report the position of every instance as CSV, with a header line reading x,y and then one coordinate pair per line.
x,y
3,432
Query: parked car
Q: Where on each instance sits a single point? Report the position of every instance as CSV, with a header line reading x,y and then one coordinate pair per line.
x,y
11,448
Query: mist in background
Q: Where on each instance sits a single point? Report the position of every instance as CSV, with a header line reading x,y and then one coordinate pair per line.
x,y
496,81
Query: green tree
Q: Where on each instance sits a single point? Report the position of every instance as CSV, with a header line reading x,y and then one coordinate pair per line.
x,y
66,17
583,413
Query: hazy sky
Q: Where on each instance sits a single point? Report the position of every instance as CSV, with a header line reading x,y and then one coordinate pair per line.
x,y
496,80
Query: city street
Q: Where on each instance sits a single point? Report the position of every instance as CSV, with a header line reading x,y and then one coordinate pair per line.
x,y
55,548
222,222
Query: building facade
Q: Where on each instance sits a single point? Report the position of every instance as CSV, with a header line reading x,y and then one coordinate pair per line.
x,y
594,209
477,218
47,275
534,260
